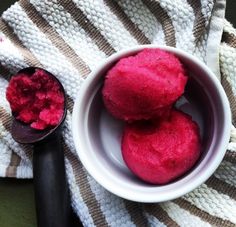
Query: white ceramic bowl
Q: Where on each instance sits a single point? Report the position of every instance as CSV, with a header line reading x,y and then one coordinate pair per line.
x,y
97,135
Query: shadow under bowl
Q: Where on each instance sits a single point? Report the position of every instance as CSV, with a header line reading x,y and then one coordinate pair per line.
x,y
97,135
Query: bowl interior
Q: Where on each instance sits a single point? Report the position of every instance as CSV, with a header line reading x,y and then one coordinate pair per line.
x,y
105,132
100,150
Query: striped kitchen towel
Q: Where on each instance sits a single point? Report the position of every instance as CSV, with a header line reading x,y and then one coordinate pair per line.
x,y
69,38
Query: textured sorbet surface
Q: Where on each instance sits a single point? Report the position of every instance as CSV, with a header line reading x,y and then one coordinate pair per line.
x,y
36,99
160,151
144,86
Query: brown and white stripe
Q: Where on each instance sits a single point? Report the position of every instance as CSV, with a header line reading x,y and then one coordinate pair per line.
x,y
10,62
222,187
143,19
74,35
83,20
9,33
231,96
157,211
230,156
199,21
85,190
4,72
228,70
106,22
6,119
9,160
163,17
11,170
213,202
227,173
127,22
80,183
120,208
136,213
202,215
183,217
57,41
24,151
229,34
229,38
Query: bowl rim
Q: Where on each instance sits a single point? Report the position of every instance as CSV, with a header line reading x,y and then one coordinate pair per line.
x,y
77,132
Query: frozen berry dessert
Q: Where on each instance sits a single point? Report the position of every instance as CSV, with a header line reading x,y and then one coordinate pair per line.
x,y
161,151
36,99
144,86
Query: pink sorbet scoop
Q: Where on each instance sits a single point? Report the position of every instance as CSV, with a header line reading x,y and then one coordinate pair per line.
x,y
144,86
160,151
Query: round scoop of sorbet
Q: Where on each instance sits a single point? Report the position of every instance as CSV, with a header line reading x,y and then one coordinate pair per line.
x,y
158,152
36,99
144,86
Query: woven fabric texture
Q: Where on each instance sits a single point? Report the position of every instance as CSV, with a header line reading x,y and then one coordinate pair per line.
x,y
69,38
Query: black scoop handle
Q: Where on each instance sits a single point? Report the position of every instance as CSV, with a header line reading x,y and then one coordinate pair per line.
x,y
51,190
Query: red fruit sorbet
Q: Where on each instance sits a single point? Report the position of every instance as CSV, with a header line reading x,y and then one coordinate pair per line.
x,y
160,151
144,86
36,99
